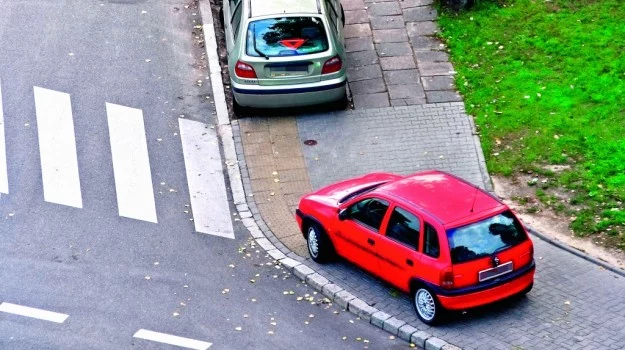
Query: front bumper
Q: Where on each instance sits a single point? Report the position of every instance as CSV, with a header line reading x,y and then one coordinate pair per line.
x,y
278,96
460,300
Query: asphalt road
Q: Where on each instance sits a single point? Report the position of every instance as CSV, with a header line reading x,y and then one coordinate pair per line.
x,y
67,243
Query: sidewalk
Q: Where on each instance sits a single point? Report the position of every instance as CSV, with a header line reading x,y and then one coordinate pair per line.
x,y
408,118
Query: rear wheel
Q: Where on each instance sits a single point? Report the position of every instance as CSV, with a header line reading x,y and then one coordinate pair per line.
x,y
427,306
319,245
526,290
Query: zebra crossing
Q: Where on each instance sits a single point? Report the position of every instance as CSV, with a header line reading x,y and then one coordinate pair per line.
x,y
134,189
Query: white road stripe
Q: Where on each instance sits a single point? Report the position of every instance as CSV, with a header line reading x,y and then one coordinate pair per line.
x,y
57,147
207,187
131,164
172,340
33,313
4,174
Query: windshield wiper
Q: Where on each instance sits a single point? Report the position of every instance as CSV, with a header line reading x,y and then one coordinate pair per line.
x,y
254,43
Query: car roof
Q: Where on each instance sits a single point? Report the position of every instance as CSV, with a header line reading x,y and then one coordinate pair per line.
x,y
273,7
444,196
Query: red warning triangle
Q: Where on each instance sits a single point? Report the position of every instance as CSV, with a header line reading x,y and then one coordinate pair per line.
x,y
292,43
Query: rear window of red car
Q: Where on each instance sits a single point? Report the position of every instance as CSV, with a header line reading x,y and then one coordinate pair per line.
x,y
485,238
286,36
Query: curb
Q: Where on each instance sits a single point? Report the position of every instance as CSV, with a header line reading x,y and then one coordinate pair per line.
x,y
575,252
250,215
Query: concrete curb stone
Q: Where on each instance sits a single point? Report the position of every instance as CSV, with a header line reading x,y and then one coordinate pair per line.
x,y
302,271
361,309
329,290
317,281
379,317
435,343
392,325
419,337
343,298
405,332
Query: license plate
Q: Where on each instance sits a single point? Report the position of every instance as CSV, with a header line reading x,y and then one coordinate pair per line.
x,y
288,71
486,275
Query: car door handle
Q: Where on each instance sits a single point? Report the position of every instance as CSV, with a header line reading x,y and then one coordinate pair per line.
x,y
409,262
370,241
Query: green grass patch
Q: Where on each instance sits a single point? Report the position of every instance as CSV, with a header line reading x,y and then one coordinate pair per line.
x,y
545,81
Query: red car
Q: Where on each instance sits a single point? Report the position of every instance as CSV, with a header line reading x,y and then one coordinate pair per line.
x,y
449,244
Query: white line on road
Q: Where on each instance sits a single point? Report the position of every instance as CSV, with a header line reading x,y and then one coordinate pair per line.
x,y
33,313
172,340
57,147
131,163
4,174
207,187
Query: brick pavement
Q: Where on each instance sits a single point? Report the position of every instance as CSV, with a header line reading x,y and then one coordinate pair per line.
x,y
393,56
575,304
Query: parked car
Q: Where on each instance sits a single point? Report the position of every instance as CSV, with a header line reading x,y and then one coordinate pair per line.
x,y
449,244
285,53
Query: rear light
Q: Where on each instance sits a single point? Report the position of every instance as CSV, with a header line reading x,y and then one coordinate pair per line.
x,y
447,278
332,65
244,70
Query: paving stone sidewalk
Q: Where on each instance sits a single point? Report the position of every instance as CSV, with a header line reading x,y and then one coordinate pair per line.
x,y
408,118
393,55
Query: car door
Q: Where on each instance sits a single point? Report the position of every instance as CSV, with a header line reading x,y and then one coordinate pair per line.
x,y
398,247
357,231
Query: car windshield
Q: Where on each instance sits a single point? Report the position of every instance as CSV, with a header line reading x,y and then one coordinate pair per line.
x,y
286,36
485,237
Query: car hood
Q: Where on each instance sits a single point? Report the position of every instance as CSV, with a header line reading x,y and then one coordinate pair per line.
x,y
334,193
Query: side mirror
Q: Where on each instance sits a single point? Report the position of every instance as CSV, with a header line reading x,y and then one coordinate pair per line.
x,y
342,214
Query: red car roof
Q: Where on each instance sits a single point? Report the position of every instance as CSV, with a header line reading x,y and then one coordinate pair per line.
x,y
443,195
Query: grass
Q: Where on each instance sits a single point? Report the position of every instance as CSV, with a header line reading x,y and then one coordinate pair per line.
x,y
545,81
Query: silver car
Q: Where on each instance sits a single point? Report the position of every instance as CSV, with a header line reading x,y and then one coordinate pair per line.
x,y
285,53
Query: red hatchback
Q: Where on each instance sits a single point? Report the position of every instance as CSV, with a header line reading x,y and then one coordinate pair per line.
x,y
449,244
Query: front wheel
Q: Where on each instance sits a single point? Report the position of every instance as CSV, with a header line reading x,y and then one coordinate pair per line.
x,y
427,306
319,245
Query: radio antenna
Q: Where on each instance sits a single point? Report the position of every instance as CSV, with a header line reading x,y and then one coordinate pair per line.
x,y
474,197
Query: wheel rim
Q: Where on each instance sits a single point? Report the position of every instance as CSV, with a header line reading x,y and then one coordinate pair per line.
x,y
426,307
313,242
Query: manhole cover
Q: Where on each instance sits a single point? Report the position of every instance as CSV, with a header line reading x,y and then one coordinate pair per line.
x,y
310,142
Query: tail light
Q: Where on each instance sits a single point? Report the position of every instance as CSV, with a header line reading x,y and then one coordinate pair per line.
x,y
332,65
447,278
244,70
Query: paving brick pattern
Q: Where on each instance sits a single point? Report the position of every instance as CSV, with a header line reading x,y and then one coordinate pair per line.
x,y
395,139
393,35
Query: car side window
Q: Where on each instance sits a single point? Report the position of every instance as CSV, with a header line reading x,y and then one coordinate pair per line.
x,y
235,21
431,247
404,227
333,15
369,211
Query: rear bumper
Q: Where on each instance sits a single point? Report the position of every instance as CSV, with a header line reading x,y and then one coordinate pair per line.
x,y
289,95
458,300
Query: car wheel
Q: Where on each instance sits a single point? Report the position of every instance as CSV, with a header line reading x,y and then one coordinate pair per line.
x,y
319,245
239,110
427,306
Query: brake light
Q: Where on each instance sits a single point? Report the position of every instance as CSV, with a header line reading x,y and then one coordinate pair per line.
x,y
447,278
244,70
332,65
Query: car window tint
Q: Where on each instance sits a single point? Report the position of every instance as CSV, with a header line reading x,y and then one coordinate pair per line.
x,y
431,247
404,227
286,36
369,211
485,237
236,19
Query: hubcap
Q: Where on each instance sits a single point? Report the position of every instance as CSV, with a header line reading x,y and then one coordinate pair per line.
x,y
313,242
425,304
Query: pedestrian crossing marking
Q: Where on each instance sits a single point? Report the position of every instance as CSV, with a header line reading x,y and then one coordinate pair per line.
x,y
57,148
131,163
4,174
207,187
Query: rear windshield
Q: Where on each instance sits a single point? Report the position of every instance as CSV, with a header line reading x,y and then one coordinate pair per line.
x,y
485,237
287,36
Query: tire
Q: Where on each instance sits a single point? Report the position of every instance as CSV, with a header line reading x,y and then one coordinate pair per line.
x,y
427,306
319,245
240,111
221,18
